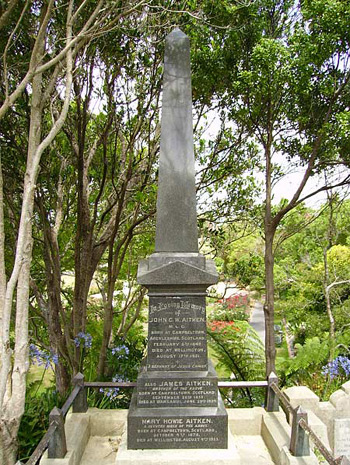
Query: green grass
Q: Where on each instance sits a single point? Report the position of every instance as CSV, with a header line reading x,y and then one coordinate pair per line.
x,y
44,378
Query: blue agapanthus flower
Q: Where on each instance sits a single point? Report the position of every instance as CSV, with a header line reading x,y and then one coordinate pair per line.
x,y
83,340
120,350
112,393
41,357
340,366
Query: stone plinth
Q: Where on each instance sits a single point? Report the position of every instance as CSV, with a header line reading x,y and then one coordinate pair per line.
x,y
177,427
226,456
176,404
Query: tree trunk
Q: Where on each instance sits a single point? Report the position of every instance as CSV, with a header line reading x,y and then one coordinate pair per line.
x,y
289,338
269,230
12,404
270,349
54,313
115,261
8,441
107,331
327,289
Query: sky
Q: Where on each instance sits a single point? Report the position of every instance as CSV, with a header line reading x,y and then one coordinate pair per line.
x,y
288,184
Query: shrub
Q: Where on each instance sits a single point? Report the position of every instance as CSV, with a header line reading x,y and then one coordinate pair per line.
x,y
235,307
240,351
35,420
124,359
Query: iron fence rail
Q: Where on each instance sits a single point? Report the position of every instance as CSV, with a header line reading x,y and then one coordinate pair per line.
x,y
78,399
72,396
281,395
42,446
301,431
318,443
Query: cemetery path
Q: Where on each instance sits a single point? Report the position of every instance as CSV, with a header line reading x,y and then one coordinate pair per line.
x,y
251,449
257,320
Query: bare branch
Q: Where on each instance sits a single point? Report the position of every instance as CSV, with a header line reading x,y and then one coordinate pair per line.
x,y
4,17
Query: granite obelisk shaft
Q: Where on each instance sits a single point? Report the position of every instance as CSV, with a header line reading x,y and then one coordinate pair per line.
x,y
176,229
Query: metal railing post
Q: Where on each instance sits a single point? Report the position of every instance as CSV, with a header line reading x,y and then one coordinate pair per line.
x,y
299,441
271,403
80,402
57,447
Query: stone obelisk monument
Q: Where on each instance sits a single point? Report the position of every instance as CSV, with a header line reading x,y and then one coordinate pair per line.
x,y
176,404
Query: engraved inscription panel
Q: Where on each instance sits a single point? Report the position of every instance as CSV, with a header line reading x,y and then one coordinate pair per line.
x,y
177,393
181,432
177,334
342,437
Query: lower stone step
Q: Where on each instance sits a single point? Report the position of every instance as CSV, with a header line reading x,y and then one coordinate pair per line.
x,y
252,450
227,456
100,450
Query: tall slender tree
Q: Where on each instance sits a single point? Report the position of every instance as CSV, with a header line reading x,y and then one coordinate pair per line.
x,y
284,86
39,42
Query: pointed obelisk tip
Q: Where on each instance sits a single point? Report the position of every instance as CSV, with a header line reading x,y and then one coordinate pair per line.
x,y
176,34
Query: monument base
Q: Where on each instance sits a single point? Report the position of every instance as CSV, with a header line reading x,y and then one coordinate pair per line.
x,y
177,427
177,389
227,456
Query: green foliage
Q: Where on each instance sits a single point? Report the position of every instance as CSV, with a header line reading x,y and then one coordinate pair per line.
x,y
124,360
248,270
126,363
35,419
282,73
240,352
231,308
309,357
309,366
238,348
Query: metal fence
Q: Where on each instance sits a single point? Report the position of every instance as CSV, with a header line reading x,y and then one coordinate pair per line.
x,y
301,431
55,440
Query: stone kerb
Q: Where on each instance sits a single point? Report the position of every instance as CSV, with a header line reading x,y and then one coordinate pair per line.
x,y
84,429
308,400
77,429
330,420
276,433
91,439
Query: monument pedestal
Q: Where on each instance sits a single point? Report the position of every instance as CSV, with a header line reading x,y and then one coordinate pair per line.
x,y
177,427
226,456
176,404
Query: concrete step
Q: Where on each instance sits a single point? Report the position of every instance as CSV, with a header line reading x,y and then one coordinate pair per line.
x,y
252,450
100,450
255,438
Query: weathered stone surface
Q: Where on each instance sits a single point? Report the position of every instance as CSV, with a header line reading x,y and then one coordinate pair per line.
x,y
341,402
342,437
158,259
177,273
177,389
176,229
177,334
229,456
177,428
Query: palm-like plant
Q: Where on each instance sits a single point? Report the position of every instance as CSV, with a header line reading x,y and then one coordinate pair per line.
x,y
240,353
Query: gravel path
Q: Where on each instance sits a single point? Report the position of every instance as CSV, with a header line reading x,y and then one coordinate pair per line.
x,y
257,320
